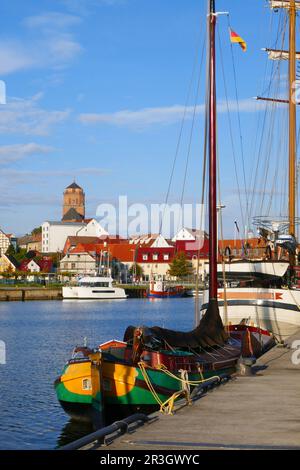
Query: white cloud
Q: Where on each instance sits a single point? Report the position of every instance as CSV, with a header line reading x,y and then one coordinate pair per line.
x,y
63,49
162,115
51,20
16,201
11,153
25,116
71,173
49,43
14,56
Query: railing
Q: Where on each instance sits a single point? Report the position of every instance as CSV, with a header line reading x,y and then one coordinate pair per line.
x,y
101,434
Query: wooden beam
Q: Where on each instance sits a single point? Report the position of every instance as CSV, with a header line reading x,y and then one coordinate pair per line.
x,y
274,100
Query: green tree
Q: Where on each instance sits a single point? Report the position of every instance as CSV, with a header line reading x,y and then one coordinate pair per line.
x,y
20,255
36,231
136,270
11,250
180,266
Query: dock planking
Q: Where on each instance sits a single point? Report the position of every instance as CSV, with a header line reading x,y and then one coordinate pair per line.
x,y
255,412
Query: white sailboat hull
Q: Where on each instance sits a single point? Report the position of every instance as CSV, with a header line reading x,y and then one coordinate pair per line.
x,y
263,268
277,310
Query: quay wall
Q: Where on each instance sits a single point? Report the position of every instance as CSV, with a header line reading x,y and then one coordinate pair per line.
x,y
30,293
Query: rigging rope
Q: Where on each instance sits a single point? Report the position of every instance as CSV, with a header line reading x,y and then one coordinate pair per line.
x,y
258,150
239,122
230,129
186,107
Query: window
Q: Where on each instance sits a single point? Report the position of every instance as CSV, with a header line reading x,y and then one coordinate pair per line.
x,y
73,265
86,384
166,257
145,257
95,284
155,257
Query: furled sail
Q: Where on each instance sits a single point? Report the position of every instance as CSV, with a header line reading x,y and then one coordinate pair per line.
x,y
275,54
209,333
283,4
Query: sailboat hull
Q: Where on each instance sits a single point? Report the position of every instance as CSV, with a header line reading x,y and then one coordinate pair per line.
x,y
276,310
127,386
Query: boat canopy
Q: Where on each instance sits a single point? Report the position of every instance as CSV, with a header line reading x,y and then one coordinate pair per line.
x,y
209,333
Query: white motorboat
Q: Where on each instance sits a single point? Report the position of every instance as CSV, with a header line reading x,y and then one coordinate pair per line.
x,y
95,288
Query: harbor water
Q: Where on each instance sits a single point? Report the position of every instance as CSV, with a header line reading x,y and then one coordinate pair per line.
x,y
39,338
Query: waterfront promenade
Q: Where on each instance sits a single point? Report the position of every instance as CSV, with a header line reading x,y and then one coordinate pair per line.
x,y
260,411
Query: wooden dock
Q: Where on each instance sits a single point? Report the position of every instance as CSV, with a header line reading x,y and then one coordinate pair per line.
x,y
261,411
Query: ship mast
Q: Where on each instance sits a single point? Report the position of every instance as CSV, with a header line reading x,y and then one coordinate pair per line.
x,y
213,283
292,56
292,118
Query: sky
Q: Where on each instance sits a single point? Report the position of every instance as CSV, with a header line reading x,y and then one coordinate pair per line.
x,y
96,92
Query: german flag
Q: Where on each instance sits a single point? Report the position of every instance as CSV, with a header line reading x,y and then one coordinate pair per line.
x,y
234,37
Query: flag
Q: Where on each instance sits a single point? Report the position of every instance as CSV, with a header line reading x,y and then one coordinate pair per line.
x,y
234,37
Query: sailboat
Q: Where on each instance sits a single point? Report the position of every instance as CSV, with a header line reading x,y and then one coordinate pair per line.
x,y
154,366
270,298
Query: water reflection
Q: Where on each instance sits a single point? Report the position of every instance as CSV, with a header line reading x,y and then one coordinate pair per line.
x,y
75,429
40,337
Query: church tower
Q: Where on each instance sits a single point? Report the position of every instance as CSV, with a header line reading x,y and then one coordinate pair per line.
x,y
73,204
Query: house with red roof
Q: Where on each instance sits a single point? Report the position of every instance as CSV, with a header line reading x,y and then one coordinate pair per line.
x,y
29,265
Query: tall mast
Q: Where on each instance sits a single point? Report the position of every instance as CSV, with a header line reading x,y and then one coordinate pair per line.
x,y
292,117
292,6
213,284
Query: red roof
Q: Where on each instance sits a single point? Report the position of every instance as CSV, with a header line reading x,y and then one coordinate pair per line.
x,y
24,265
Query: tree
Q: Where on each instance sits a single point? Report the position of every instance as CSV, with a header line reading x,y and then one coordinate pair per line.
x,y
20,254
180,267
10,250
136,270
36,231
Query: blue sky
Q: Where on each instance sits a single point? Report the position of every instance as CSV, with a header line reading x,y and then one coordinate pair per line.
x,y
96,90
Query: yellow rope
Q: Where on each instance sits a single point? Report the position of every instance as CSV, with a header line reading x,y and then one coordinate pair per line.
x,y
148,382
163,368
168,405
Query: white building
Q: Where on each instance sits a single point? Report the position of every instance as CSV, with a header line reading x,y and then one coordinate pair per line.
x,y
4,242
187,234
92,229
78,263
33,267
55,234
160,242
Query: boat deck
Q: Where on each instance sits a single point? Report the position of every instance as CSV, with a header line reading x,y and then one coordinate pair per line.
x,y
260,411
